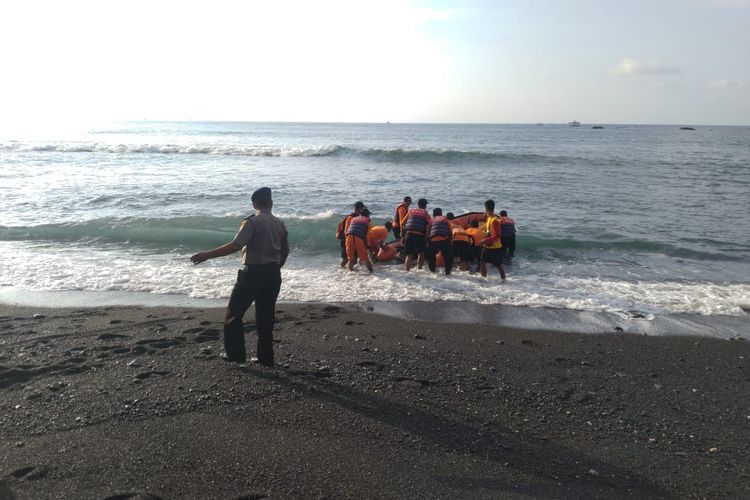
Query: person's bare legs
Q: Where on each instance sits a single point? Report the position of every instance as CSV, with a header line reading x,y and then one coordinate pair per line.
x,y
483,268
407,263
502,270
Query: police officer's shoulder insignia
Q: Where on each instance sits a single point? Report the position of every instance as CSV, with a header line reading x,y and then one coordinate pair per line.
x,y
244,221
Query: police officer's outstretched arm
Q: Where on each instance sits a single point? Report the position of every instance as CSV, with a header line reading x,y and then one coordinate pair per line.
x,y
226,249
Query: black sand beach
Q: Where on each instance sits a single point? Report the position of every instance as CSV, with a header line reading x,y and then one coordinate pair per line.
x,y
134,402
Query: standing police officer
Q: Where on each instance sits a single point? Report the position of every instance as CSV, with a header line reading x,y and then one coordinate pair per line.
x,y
263,239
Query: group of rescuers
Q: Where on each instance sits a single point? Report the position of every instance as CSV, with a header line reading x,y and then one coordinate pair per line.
x,y
263,239
422,236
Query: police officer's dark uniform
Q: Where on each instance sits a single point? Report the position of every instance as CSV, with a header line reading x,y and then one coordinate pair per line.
x,y
264,242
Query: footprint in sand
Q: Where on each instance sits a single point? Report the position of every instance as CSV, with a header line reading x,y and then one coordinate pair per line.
x,y
133,496
145,375
19,473
208,335
161,343
108,336
28,473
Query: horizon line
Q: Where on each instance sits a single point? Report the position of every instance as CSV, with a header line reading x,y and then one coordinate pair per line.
x,y
386,122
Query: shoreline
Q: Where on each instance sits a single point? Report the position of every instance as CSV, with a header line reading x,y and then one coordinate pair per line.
x,y
134,400
455,312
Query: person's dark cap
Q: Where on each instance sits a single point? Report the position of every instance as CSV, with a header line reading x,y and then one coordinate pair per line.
x,y
359,205
365,212
261,196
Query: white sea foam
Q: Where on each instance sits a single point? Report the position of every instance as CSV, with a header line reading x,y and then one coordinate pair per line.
x,y
325,214
49,268
170,148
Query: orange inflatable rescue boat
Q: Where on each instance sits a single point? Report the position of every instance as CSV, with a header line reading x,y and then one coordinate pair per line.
x,y
393,250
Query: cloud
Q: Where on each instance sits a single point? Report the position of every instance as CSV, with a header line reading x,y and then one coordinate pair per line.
x,y
729,83
631,67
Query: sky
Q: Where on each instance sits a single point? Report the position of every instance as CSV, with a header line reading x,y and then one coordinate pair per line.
x,y
477,61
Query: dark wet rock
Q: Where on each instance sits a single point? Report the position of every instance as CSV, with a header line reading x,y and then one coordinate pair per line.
x,y
372,364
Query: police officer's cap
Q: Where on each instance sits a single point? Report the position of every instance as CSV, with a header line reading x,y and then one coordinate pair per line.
x,y
262,196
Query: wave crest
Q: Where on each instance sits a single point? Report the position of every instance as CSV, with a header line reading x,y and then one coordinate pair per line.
x,y
168,148
395,155
313,234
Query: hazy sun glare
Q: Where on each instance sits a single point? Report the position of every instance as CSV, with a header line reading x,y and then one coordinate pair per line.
x,y
280,60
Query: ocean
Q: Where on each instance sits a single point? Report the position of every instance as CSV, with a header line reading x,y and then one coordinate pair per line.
x,y
626,225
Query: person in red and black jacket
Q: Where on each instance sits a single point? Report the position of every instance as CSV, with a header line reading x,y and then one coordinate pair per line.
x,y
439,235
507,235
415,233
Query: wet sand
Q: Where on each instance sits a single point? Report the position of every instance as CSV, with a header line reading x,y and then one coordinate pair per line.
x,y
134,402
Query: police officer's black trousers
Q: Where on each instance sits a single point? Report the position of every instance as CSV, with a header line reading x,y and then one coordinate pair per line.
x,y
259,284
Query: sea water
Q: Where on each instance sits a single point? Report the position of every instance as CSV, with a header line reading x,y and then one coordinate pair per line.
x,y
640,222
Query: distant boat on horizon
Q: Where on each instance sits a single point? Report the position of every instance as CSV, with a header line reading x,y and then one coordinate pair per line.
x,y
574,123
